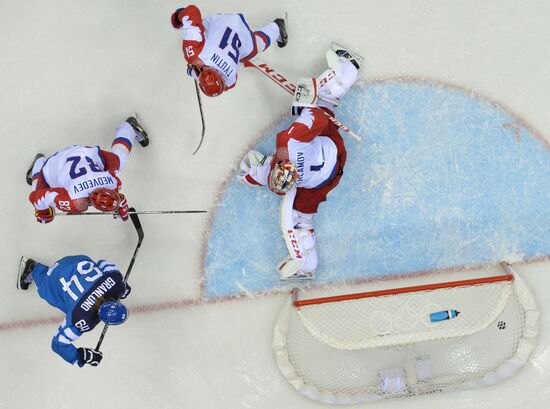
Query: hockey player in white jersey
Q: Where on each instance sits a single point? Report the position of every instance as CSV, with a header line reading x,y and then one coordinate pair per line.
x,y
78,176
214,46
308,163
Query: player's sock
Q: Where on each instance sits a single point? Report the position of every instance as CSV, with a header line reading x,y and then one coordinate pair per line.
x,y
266,35
122,144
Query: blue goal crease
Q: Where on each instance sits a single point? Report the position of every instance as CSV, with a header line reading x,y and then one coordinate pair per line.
x,y
442,179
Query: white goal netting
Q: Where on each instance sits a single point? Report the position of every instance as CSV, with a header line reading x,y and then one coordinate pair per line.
x,y
374,346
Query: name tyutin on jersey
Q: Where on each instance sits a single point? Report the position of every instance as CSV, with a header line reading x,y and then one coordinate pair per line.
x,y
222,65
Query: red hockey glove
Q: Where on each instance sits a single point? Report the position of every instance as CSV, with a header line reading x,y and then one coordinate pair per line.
x,y
195,68
176,20
44,216
122,212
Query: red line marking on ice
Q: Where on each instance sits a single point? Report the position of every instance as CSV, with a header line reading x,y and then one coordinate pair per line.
x,y
186,303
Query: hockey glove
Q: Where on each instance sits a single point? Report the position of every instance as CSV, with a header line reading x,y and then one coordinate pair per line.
x,y
127,291
44,216
89,356
195,68
176,21
122,212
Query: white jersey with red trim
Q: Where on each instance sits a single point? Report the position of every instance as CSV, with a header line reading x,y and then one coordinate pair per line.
x,y
315,160
228,40
79,169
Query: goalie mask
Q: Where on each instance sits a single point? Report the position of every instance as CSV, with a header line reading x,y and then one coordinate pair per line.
x,y
283,178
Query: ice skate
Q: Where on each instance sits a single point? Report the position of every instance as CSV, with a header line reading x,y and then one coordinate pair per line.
x,y
300,275
283,35
24,277
351,56
289,269
29,171
141,135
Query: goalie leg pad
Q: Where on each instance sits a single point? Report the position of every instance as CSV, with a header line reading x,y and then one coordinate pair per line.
x,y
334,84
254,169
302,261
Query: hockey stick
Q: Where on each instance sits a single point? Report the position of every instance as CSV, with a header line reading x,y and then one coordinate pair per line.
x,y
202,116
134,212
137,224
289,87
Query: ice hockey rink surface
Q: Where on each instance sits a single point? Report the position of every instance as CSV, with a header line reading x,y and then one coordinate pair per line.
x,y
452,177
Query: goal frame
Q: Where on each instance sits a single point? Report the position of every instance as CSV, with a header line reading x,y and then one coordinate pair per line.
x,y
395,291
507,368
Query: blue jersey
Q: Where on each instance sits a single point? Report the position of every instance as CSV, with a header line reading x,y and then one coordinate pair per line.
x,y
77,286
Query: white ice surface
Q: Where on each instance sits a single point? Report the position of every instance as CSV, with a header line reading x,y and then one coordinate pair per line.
x,y
71,70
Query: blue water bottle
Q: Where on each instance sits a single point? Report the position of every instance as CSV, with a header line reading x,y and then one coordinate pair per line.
x,y
443,315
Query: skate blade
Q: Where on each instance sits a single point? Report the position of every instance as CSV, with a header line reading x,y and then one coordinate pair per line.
x,y
22,264
299,277
354,56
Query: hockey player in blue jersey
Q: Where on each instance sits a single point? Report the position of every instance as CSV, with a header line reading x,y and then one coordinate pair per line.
x,y
86,291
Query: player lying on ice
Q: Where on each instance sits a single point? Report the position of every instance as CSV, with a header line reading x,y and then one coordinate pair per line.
x,y
308,163
214,46
78,176
86,291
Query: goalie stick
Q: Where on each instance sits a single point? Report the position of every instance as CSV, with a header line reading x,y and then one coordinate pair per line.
x,y
133,212
289,87
139,230
202,116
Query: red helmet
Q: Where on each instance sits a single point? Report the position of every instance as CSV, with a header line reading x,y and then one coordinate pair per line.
x,y
211,82
105,200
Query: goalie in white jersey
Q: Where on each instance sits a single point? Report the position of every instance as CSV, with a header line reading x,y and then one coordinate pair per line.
x,y
308,163
78,176
214,46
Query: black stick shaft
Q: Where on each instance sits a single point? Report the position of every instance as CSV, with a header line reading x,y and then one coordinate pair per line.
x,y
202,116
137,224
134,212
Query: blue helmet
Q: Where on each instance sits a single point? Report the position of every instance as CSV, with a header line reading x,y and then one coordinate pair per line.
x,y
113,312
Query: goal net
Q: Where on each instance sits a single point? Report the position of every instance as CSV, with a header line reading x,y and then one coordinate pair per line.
x,y
406,341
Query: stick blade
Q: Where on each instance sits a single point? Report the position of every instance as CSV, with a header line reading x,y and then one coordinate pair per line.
x,y
137,223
